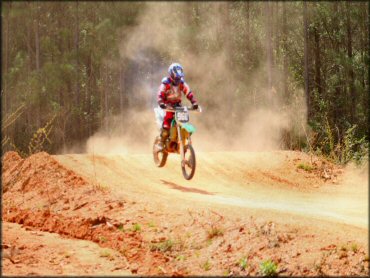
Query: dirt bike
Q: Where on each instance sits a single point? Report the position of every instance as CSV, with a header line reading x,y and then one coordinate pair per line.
x,y
179,140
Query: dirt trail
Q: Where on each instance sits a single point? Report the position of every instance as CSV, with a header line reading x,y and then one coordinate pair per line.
x,y
261,180
239,206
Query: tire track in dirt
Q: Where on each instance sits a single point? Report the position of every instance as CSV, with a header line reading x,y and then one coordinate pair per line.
x,y
260,180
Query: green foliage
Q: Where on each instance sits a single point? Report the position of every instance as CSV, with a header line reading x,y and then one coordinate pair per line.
x,y
10,119
105,253
180,258
121,228
207,265
243,263
40,138
162,246
214,232
82,78
268,268
352,148
354,247
136,227
349,147
305,167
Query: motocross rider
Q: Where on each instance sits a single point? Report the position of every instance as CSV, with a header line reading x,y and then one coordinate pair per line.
x,y
169,94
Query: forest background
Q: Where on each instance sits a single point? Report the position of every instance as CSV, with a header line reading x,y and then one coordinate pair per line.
x,y
74,69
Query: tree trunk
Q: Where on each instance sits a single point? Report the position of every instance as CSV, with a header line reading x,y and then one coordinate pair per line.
x,y
37,37
5,74
351,72
248,19
317,62
29,38
269,49
306,59
276,26
338,93
106,99
247,35
121,92
78,96
225,26
365,49
285,55
89,94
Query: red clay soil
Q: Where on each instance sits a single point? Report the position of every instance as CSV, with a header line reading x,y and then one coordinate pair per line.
x,y
42,195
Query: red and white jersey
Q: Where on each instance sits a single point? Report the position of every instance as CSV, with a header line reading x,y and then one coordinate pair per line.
x,y
170,94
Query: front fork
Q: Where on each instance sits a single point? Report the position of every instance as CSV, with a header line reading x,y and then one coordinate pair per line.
x,y
182,153
182,147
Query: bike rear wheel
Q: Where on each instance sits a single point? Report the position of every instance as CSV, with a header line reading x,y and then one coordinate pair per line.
x,y
160,157
189,163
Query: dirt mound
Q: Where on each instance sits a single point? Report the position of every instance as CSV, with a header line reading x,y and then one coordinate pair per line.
x,y
39,171
40,253
40,193
297,171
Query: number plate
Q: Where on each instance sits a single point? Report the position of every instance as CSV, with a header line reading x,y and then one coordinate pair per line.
x,y
182,116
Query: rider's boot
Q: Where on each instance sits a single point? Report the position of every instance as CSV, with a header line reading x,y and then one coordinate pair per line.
x,y
164,135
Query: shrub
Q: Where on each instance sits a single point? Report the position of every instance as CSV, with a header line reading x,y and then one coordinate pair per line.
x,y
243,263
136,227
214,232
162,246
120,227
268,268
305,167
207,266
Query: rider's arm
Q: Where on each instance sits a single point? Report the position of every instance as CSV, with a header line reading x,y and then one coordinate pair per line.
x,y
188,93
161,95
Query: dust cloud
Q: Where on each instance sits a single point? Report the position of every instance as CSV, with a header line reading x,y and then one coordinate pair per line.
x,y
237,115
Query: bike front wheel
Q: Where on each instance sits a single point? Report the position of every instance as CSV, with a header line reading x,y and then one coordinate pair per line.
x,y
160,157
188,164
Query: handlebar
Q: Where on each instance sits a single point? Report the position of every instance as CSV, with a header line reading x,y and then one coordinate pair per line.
x,y
181,108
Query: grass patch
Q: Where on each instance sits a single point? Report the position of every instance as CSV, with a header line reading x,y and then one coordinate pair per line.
x,y
243,263
180,258
101,187
354,247
344,248
105,253
102,239
268,268
215,232
136,227
162,270
120,227
151,225
306,167
163,246
207,265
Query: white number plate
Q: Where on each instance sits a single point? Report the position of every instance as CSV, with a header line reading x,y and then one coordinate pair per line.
x,y
182,116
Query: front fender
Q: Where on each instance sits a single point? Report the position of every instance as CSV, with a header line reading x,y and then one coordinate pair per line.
x,y
188,127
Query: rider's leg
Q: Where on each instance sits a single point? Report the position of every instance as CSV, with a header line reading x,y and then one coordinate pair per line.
x,y
165,131
164,135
